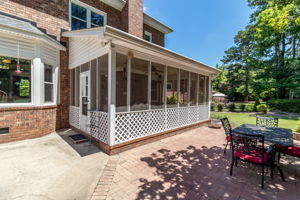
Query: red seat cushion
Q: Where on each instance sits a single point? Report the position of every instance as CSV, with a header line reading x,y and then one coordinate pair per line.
x,y
253,155
289,150
233,137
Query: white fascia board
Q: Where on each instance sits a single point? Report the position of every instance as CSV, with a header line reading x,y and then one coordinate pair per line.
x,y
30,35
124,38
117,4
154,23
99,31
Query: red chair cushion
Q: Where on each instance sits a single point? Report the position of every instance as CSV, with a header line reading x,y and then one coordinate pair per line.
x,y
289,150
253,155
233,137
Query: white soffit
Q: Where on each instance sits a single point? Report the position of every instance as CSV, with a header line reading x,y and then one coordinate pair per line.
x,y
117,4
150,21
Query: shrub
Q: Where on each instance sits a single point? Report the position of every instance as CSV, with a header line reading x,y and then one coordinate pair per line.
x,y
231,107
255,105
220,107
212,107
263,108
285,105
249,108
243,107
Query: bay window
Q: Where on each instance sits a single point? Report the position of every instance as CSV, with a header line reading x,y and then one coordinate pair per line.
x,y
48,83
15,80
83,16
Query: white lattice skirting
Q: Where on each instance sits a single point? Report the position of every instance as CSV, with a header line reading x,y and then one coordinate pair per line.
x,y
99,125
135,125
74,116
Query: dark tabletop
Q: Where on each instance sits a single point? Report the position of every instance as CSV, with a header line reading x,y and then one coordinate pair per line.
x,y
281,136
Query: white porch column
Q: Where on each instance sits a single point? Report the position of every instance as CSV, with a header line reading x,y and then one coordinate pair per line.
x,y
209,96
149,85
128,82
111,96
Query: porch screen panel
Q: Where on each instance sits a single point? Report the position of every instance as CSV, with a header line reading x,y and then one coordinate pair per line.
x,y
77,81
193,89
207,96
157,85
184,84
172,89
139,85
93,99
121,83
103,83
72,85
201,91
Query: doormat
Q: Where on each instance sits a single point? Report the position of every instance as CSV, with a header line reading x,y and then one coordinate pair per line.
x,y
78,138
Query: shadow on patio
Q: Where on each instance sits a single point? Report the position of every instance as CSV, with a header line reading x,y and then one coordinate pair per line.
x,y
201,173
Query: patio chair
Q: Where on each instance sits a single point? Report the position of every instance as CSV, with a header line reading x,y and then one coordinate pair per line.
x,y
287,150
267,121
227,128
250,148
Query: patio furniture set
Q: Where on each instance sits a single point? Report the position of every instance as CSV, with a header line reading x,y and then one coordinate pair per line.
x,y
258,144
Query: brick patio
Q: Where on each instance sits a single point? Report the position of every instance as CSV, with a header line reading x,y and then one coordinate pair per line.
x,y
191,165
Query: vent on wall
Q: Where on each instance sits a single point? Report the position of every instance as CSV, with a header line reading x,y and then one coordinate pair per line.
x,y
4,130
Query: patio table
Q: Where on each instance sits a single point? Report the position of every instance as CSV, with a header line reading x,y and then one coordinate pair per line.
x,y
273,135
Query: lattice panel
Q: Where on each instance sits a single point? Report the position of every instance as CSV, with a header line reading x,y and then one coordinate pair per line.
x,y
74,116
99,125
134,125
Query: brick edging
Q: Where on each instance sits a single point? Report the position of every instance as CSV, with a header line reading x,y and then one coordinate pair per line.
x,y
103,186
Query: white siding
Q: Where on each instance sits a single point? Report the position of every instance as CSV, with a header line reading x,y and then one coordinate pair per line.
x,y
9,47
84,49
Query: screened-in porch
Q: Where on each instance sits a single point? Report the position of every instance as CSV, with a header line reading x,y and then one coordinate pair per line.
x,y
124,93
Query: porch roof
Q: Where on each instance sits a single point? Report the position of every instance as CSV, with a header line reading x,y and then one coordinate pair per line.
x,y
25,29
116,36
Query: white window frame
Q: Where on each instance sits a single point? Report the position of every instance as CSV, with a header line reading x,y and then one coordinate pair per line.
x,y
31,103
50,83
146,33
88,12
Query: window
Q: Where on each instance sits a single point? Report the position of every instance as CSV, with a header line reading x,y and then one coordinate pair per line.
x,y
157,85
48,82
83,16
172,91
103,83
148,36
139,84
15,80
184,84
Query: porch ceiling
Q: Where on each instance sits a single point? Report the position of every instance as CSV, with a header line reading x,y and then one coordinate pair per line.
x,y
121,38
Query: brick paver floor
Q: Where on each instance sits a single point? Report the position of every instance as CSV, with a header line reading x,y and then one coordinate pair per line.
x,y
192,166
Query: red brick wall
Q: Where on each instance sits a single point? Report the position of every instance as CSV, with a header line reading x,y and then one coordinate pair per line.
x,y
25,123
157,36
133,18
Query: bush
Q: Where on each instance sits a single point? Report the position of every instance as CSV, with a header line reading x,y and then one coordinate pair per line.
x,y
255,105
220,107
249,108
231,107
285,105
243,107
263,108
212,107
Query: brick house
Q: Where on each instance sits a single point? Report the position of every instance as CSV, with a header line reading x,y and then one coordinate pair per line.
x,y
99,66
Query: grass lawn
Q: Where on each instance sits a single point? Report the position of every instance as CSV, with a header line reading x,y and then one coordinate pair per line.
x,y
249,118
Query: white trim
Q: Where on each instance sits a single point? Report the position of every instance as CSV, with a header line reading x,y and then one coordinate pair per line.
x,y
128,83
88,13
149,84
154,23
111,102
146,33
117,4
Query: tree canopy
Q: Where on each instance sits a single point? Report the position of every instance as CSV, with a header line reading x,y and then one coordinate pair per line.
x,y
264,62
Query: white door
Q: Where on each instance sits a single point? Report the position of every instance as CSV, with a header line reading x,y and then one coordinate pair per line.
x,y
84,100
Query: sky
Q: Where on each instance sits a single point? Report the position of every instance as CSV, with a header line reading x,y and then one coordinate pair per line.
x,y
203,29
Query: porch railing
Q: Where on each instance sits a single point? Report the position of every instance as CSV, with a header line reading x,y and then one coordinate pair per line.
x,y
133,125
